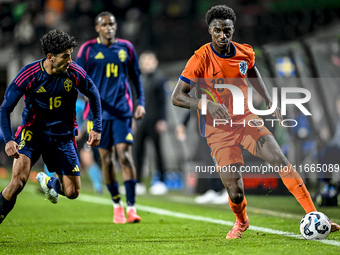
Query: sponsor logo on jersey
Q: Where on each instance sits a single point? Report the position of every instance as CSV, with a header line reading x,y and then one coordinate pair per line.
x,y
122,55
41,89
99,56
243,67
68,85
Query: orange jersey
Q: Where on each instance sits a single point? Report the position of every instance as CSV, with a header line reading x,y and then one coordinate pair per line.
x,y
207,68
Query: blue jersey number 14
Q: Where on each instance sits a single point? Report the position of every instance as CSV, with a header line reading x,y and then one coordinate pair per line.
x,y
111,69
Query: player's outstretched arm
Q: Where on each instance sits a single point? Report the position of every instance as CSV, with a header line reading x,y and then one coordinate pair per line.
x,y
94,139
258,83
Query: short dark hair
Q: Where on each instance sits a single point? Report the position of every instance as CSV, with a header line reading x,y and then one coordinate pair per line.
x,y
220,12
101,15
57,41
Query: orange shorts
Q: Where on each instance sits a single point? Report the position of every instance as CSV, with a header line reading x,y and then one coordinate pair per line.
x,y
226,146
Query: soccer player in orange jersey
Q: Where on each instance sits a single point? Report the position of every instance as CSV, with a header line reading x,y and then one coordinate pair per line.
x,y
234,62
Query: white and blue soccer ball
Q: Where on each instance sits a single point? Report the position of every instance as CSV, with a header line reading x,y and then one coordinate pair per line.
x,y
315,225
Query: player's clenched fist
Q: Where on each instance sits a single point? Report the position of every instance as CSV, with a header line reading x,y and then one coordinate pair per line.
x,y
12,149
94,139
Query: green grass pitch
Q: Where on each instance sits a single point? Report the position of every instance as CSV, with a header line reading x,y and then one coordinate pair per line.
x,y
171,224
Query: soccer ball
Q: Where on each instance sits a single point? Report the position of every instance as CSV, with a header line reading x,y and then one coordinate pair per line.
x,y
315,225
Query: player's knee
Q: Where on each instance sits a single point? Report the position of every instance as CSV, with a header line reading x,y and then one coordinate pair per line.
x,y
106,159
72,192
125,160
19,182
124,157
73,195
236,197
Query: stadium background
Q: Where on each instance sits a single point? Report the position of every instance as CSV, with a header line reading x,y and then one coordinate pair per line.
x,y
296,44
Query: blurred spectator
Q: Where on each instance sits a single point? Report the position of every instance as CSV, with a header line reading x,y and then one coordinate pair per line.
x,y
161,20
86,154
209,186
303,135
132,24
24,32
57,6
329,157
54,15
153,124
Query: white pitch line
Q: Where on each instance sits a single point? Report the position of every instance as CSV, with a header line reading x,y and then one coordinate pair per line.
x,y
255,210
105,201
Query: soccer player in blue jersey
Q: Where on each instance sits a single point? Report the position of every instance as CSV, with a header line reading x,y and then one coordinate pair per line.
x,y
50,88
110,62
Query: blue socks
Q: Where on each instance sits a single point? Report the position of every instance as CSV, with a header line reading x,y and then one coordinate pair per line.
x,y
54,183
130,187
114,191
5,207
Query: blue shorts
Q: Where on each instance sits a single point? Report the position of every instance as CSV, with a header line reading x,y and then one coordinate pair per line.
x,y
116,131
59,154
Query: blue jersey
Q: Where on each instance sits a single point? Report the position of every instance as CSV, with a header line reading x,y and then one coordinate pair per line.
x,y
50,100
110,68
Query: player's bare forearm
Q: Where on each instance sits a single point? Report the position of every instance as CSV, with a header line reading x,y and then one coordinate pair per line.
x,y
181,98
258,84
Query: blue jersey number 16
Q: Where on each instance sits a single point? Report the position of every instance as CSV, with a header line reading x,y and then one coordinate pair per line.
x,y
55,102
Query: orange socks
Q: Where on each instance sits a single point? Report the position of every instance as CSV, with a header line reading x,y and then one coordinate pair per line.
x,y
239,210
295,185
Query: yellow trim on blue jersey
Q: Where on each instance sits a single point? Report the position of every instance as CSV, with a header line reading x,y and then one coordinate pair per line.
x,y
89,126
42,66
99,41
